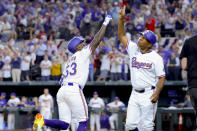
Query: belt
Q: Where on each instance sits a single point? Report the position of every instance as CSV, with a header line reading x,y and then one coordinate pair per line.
x,y
143,90
71,84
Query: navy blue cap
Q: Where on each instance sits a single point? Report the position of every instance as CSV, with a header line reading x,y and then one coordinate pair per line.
x,y
150,36
95,93
13,94
3,94
116,98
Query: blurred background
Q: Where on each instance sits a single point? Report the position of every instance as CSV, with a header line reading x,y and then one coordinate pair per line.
x,y
33,53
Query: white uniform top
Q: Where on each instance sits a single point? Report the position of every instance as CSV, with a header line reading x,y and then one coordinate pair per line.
x,y
119,67
77,67
46,71
96,103
7,71
105,63
14,101
114,105
113,66
45,101
25,64
145,69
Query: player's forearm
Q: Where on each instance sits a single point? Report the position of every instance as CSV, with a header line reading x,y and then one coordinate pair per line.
x,y
121,29
160,85
184,63
98,37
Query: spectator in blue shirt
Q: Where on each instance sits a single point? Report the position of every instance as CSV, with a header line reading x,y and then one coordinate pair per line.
x,y
78,19
96,18
16,66
40,51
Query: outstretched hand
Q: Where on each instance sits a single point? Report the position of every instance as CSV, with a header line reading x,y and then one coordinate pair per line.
x,y
108,17
121,12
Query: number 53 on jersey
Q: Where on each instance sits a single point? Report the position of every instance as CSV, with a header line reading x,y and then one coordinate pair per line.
x,y
71,70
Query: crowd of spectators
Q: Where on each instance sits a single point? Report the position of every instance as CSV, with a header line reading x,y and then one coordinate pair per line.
x,y
38,24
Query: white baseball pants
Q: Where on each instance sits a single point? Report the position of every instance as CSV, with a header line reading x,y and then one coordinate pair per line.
x,y
1,121
71,102
74,125
95,119
113,119
141,110
11,121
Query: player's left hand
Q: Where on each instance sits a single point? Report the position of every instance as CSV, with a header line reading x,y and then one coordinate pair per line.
x,y
154,97
108,17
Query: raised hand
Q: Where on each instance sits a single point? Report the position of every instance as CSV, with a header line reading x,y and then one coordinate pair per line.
x,y
121,12
107,19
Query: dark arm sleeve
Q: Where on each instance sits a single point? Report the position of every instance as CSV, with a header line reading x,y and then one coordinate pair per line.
x,y
184,51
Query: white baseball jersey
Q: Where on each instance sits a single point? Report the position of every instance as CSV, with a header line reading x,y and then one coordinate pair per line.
x,y
46,71
45,101
145,68
7,71
77,67
14,101
113,65
119,67
96,103
114,105
105,62
25,64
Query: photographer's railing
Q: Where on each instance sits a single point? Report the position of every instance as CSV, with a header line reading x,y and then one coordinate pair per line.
x,y
16,111
160,111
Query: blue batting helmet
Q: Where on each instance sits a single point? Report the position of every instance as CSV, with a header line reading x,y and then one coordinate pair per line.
x,y
73,43
150,36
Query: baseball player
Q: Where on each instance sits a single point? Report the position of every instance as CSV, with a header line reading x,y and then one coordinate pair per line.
x,y
13,102
95,102
147,78
3,104
70,98
46,105
115,105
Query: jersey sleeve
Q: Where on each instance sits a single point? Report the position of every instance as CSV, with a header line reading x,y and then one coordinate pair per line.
x,y
90,103
159,68
122,105
40,99
131,48
102,102
49,64
109,105
17,100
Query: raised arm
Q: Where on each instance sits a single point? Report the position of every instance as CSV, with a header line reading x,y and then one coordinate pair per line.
x,y
99,35
121,30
